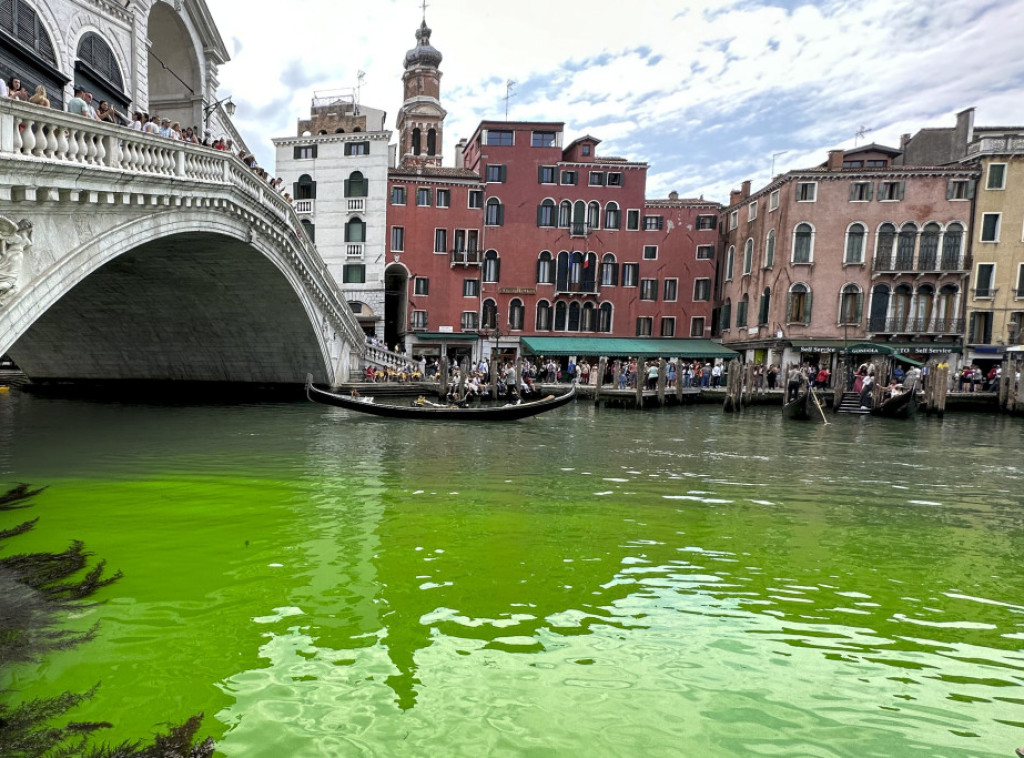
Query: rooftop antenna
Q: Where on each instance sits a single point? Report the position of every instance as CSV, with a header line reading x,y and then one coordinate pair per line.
x,y
360,76
774,156
860,134
509,84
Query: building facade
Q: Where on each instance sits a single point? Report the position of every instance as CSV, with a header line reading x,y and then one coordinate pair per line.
x,y
853,252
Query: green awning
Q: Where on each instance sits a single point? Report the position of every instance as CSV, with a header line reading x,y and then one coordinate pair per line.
x,y
625,347
925,348
446,336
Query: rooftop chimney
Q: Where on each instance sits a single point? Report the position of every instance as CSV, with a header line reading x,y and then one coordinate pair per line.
x,y
673,195
835,159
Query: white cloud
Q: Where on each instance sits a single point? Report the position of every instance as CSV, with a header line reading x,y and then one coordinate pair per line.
x,y
704,93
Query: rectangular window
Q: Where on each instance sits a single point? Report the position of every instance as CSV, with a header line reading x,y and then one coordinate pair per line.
x,y
630,273
615,179
648,289
960,189
597,178
547,175
671,290
542,139
705,252
752,211
983,281
773,200
741,313
421,285
889,191
806,192
668,326
495,173
471,288
419,320
996,176
440,240
354,273
357,148
476,198
644,326
303,152
650,252
398,195
398,238
500,137
633,220
990,227
470,320
653,223
734,219
568,177
853,164
706,221
701,290
877,163
697,326
423,196
444,198
1019,291
860,192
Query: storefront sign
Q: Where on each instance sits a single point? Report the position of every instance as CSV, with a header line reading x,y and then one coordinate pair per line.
x,y
517,290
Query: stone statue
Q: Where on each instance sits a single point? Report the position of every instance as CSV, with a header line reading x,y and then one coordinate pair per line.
x,y
15,243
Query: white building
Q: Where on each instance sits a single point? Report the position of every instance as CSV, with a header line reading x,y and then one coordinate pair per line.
x,y
336,170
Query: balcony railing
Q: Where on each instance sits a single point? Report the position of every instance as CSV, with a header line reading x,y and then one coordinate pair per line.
x,y
354,249
467,257
1013,143
927,262
886,325
304,207
356,204
984,293
576,288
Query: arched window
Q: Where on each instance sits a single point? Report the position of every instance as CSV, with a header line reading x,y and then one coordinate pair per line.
x,y
545,268
589,274
492,266
19,20
609,271
560,313
516,314
905,247
489,314
729,255
588,318
494,214
725,315
799,310
884,248
416,148
945,309
855,243
355,230
575,270
339,131
901,307
611,216
764,307
98,71
748,255
594,215
546,213
309,229
604,318
305,188
432,142
574,317
924,303
851,305
878,321
742,307
803,243
769,250
562,272
564,214
356,185
543,316
928,258
579,218
952,243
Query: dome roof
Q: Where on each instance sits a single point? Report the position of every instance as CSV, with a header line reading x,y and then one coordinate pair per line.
x,y
423,54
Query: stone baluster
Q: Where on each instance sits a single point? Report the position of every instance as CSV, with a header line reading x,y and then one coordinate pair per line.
x,y
51,141
62,143
16,127
90,148
28,139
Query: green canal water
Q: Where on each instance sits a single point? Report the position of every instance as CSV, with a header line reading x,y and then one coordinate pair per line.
x,y
588,582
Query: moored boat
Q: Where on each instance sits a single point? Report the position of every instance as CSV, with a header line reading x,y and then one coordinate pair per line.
x,y
901,405
798,409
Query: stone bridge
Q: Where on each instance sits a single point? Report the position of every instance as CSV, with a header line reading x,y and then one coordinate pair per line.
x,y
133,257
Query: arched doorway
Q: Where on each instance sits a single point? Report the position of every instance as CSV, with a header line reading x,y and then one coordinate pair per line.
x,y
396,304
175,76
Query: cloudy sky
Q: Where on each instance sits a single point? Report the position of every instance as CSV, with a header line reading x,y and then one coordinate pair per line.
x,y
708,92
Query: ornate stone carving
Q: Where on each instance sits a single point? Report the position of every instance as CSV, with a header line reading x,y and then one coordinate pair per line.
x,y
15,244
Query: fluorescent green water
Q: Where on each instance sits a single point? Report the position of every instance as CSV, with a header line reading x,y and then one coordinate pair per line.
x,y
600,583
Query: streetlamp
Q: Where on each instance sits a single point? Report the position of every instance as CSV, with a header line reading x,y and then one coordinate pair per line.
x,y
229,106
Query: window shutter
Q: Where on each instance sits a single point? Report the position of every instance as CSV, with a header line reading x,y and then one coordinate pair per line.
x,y
348,188
615,275
807,308
853,191
295,153
899,191
970,188
295,190
871,190
540,218
497,270
562,273
540,174
970,327
950,189
858,308
501,215
988,330
501,173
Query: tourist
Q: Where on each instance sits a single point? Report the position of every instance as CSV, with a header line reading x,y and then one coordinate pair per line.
x,y
89,107
716,375
39,98
865,393
106,113
821,380
584,369
76,104
652,375
152,125
16,90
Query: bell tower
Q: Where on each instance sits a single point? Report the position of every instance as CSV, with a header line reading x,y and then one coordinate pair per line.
x,y
420,121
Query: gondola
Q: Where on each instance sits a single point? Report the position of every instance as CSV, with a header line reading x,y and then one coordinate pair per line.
x,y
799,409
427,410
902,405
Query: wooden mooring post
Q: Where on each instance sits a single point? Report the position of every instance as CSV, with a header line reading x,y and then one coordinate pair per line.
x,y
936,385
733,387
602,366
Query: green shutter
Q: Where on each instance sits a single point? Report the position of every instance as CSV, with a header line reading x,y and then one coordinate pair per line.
x,y
949,189
899,191
853,191
807,308
970,189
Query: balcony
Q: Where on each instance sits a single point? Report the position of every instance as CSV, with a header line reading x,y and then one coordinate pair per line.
x,y
579,229
467,257
356,204
886,325
1013,143
354,249
576,288
304,207
926,263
